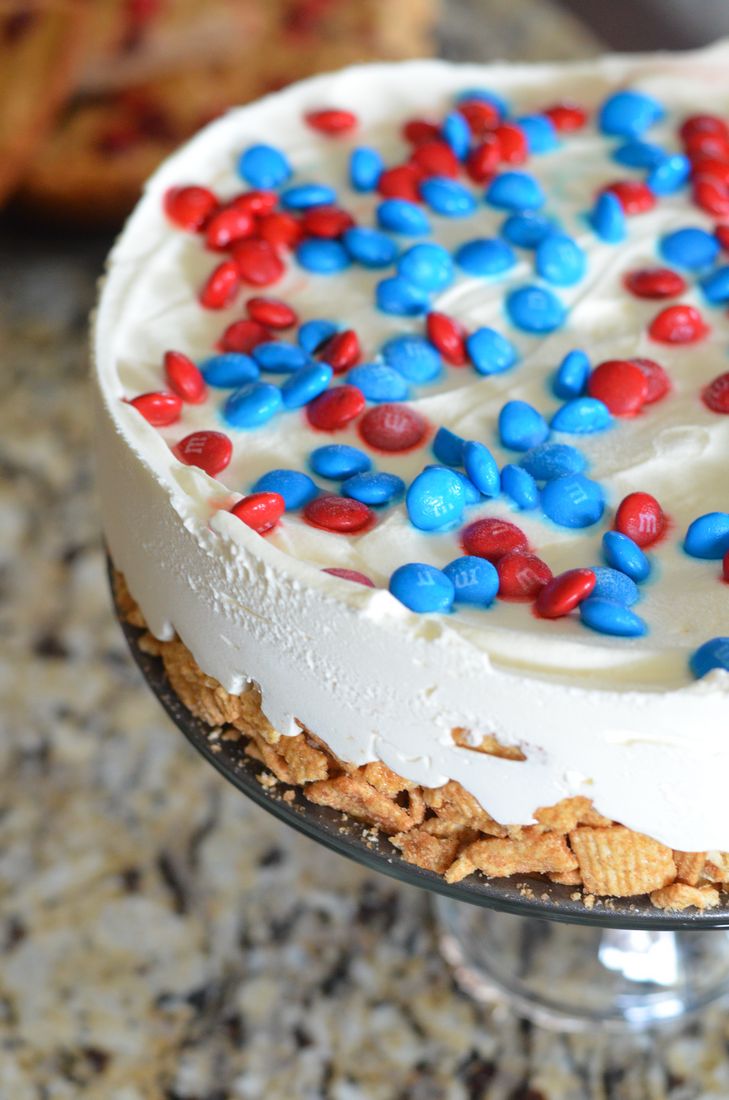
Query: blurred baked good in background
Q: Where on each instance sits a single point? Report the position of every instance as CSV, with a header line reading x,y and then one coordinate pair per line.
x,y
95,93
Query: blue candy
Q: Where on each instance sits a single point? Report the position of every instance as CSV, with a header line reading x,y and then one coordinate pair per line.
x,y
692,248
639,154
608,219
402,216
447,197
306,384
712,654
669,175
253,405
302,196
528,229
485,95
456,133
369,247
482,468
413,357
475,580
316,332
322,255
365,168
264,166
609,617
448,447
422,588
708,536
540,133
551,460
535,309
612,584
428,266
520,486
400,298
374,488
715,286
379,382
629,113
515,191
435,499
490,352
485,256
582,416
338,461
521,426
625,555
295,487
572,375
560,260
573,501
472,494
231,369
276,357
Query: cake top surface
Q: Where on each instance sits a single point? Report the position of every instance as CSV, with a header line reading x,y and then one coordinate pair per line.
x,y
458,335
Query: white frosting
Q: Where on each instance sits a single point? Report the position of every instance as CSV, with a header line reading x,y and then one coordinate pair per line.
x,y
616,719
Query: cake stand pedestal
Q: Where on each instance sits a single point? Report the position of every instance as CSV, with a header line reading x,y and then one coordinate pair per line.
x,y
530,944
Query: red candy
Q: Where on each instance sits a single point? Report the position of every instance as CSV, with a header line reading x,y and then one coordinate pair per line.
x,y
159,409
341,351
334,408
716,395
280,230
492,539
619,384
659,384
448,336
189,207
418,130
227,226
393,428
350,575
243,336
655,282
641,518
634,196
512,143
521,576
721,232
703,124
221,287
340,514
211,451
261,511
678,325
564,592
713,145
711,195
566,117
714,167
255,202
326,221
258,262
271,312
331,121
436,158
400,182
480,116
184,378
725,567
482,162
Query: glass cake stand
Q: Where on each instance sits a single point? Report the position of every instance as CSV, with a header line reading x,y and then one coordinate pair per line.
x,y
523,941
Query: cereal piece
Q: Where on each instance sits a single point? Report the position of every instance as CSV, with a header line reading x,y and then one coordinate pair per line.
x,y
354,796
620,862
268,756
125,602
716,868
532,853
489,744
429,852
149,644
689,866
566,815
305,762
566,878
453,803
679,895
385,780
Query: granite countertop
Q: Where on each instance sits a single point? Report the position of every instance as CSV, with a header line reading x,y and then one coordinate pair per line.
x,y
160,937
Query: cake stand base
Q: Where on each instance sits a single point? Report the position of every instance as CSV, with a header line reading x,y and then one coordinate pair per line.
x,y
577,978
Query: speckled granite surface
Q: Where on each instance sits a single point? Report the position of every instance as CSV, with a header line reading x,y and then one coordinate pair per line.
x,y
160,938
